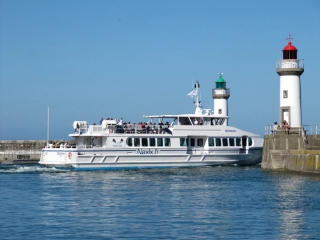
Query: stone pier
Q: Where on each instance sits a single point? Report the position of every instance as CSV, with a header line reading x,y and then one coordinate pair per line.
x,y
293,152
22,151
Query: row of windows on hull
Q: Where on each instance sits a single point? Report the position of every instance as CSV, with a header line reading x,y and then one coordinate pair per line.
x,y
189,142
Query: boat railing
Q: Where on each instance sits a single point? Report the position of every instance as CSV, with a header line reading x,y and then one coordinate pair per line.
x,y
145,129
81,146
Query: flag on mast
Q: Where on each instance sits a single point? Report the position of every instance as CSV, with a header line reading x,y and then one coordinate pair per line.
x,y
193,93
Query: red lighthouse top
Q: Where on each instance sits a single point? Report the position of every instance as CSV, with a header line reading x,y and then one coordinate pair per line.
x,y
290,51
290,47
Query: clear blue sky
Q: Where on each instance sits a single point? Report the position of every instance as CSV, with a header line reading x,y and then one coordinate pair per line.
x,y
91,59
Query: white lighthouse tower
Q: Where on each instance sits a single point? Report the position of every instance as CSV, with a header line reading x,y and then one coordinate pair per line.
x,y
289,70
220,96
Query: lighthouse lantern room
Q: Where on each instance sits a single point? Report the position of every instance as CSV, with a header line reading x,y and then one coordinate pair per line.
x,y
289,70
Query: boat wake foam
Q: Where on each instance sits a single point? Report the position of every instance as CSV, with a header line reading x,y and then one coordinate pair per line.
x,y
29,169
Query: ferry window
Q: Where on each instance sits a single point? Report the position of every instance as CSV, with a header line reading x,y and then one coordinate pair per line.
x,y
159,142
218,142
250,141
144,142
238,142
200,142
211,142
167,142
136,142
192,142
231,142
183,142
152,142
129,142
225,142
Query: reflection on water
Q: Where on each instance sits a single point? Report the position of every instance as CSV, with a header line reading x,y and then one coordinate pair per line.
x,y
185,203
290,192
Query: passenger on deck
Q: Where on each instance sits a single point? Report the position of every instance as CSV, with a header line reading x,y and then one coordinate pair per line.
x,y
133,130
50,145
77,128
154,128
201,121
62,145
160,127
120,123
196,121
101,121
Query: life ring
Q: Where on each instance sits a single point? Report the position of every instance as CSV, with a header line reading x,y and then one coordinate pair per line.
x,y
69,155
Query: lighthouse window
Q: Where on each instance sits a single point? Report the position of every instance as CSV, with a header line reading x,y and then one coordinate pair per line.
x,y
285,94
220,111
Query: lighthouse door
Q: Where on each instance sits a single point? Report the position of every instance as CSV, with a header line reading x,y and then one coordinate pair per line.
x,y
285,115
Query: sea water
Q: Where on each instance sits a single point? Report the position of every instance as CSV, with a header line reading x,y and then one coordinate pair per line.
x,y
173,203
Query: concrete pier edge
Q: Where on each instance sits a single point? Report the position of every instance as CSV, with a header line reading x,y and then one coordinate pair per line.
x,y
294,152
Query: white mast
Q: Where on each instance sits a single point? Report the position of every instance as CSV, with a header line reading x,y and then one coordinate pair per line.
x,y
194,93
48,128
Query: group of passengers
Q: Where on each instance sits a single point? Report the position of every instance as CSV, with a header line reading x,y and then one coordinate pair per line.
x,y
194,122
141,127
144,127
60,145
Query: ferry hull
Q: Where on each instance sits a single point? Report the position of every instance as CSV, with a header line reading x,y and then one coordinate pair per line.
x,y
100,161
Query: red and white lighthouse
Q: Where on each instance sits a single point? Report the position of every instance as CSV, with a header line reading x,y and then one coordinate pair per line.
x,y
289,70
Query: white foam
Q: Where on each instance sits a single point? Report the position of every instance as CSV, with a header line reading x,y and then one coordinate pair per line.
x,y
33,168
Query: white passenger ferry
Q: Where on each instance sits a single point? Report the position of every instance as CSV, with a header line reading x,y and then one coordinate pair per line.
x,y
199,139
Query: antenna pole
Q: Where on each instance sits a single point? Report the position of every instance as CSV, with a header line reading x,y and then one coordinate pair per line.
x,y
48,128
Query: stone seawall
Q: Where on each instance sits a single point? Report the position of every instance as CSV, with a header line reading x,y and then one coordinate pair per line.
x,y
22,151
295,152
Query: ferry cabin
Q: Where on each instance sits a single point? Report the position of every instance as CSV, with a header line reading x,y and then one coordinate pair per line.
x,y
181,136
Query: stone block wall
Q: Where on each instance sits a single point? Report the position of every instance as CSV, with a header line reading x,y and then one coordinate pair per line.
x,y
291,153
